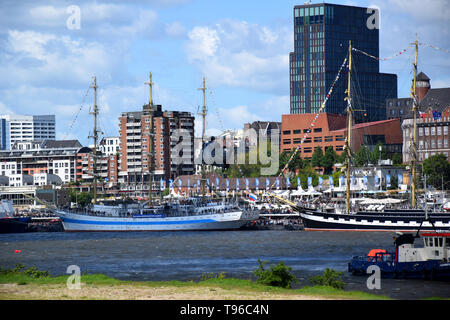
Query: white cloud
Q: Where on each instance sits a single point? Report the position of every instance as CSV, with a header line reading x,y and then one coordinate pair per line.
x,y
431,10
175,29
203,43
240,54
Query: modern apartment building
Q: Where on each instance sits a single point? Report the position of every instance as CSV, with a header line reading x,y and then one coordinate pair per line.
x,y
17,128
321,40
109,145
169,127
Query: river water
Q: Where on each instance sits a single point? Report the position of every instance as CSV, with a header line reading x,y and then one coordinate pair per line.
x,y
155,256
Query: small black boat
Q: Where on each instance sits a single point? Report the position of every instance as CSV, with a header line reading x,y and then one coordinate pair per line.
x,y
9,223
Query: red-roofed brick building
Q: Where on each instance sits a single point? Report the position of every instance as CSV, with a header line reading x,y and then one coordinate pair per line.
x,y
330,131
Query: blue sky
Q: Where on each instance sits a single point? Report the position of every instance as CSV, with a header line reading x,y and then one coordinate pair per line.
x,y
241,47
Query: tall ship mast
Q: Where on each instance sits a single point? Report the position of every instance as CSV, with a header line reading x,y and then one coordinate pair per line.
x,y
95,137
414,143
150,144
349,128
203,114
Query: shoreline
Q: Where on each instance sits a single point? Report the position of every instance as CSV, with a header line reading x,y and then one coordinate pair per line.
x,y
101,287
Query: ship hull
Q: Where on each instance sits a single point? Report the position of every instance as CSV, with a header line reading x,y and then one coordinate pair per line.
x,y
84,223
13,225
318,221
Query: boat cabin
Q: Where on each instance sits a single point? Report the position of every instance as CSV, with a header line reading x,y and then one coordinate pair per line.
x,y
436,247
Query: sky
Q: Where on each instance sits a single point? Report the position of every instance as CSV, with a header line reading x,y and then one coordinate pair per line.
x,y
48,57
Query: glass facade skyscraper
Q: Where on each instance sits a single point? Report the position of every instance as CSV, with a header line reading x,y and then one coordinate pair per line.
x,y
321,38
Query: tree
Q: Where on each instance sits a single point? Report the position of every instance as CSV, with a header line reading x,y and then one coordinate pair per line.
x,y
397,159
329,160
377,154
317,158
437,169
363,156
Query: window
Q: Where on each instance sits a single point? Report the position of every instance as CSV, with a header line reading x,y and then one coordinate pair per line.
x,y
340,148
433,131
318,139
420,132
297,131
318,130
439,131
328,139
446,130
287,132
287,141
340,138
427,131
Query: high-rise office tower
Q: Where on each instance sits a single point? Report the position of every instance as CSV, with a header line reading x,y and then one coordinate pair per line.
x,y
321,39
19,128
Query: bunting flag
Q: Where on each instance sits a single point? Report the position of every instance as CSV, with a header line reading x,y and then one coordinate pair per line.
x,y
217,183
388,180
278,183
353,181
228,184
299,185
437,115
161,184
171,184
237,184
434,47
365,181
267,184
309,181
189,184
400,178
341,181
257,183
288,183
320,182
246,184
331,181
382,59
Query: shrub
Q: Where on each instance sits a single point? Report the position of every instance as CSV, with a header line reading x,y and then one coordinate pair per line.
x,y
212,275
277,276
330,278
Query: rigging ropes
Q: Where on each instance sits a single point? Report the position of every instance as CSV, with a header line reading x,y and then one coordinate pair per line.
x,y
383,59
308,131
79,110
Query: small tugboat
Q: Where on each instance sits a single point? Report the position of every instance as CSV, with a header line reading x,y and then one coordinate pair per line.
x,y
408,262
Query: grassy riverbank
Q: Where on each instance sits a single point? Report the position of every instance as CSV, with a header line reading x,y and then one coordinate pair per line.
x,y
19,285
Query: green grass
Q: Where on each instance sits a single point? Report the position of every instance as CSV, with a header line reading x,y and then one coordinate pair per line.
x,y
242,285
